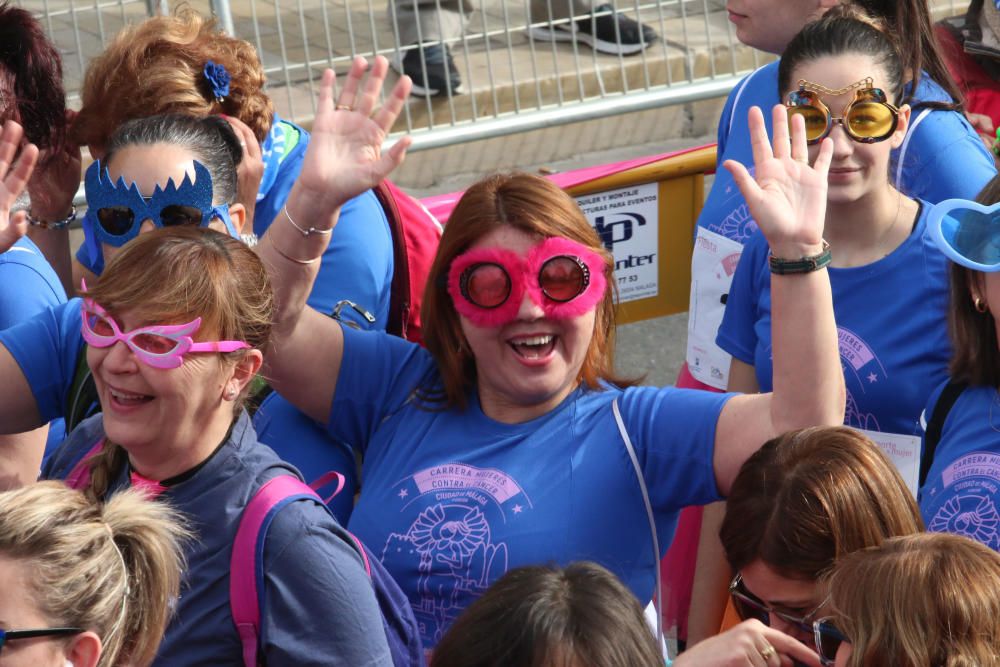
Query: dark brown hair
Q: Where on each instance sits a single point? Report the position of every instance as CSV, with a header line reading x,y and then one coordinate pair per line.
x,y
976,359
844,29
175,274
910,21
31,86
808,497
580,616
533,205
157,66
920,600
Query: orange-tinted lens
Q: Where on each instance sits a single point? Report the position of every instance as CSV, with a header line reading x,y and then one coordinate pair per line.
x,y
870,120
563,278
486,285
816,121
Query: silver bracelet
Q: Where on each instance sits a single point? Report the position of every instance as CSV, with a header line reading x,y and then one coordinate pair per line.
x,y
304,232
53,224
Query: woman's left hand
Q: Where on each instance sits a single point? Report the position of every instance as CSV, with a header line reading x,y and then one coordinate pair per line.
x,y
345,156
13,180
54,183
786,196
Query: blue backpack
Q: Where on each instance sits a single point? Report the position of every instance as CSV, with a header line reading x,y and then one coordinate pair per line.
x,y
246,576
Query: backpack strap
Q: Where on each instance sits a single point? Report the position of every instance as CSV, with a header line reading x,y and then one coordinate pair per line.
x,y
82,393
932,433
79,477
658,600
246,564
399,299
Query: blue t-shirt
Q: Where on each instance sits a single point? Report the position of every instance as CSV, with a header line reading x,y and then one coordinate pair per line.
x,y
962,492
319,607
305,444
891,324
453,499
29,283
942,158
31,286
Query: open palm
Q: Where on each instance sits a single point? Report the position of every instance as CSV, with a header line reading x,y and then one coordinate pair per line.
x,y
13,180
786,196
345,156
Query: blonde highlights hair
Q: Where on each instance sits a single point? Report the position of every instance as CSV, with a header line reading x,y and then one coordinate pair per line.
x,y
927,599
111,568
174,275
533,205
157,66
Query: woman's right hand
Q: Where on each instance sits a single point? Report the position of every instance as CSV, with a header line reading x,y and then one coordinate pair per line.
x,y
13,180
747,645
345,157
786,195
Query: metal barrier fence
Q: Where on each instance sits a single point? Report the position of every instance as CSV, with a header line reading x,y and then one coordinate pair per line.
x,y
511,81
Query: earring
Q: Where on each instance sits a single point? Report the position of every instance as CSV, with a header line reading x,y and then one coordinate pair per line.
x,y
979,304
230,394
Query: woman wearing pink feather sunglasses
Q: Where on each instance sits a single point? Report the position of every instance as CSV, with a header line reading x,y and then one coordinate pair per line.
x,y
509,441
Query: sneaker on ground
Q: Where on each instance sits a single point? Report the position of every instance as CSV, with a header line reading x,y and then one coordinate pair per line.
x,y
440,69
605,30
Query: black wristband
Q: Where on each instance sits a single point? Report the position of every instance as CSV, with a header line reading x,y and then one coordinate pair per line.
x,y
804,265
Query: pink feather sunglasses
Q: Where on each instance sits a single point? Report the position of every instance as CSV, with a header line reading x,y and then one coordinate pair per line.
x,y
563,277
159,346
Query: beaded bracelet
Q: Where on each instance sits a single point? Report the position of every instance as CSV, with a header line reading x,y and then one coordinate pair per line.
x,y
54,224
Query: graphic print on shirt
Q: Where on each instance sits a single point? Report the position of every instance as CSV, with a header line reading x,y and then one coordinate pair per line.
x,y
738,225
963,499
862,369
451,541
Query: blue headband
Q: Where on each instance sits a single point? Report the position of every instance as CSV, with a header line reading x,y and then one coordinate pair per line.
x,y
102,192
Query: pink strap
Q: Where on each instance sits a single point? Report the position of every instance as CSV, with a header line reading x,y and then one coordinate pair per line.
x,y
79,477
325,479
243,598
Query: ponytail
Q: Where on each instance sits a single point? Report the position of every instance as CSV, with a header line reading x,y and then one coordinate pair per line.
x,y
146,534
110,568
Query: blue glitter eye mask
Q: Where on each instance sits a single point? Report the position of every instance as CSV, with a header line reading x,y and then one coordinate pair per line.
x,y
116,211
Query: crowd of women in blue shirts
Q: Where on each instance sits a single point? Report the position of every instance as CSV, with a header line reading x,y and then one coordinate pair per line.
x,y
507,440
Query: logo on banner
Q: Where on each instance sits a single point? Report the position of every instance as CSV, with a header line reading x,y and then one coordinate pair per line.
x,y
627,221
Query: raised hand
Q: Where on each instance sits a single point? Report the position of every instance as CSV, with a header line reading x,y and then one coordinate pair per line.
x,y
251,169
13,180
345,155
56,179
786,196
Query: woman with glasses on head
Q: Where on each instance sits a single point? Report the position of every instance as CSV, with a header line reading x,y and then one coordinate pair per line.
x,y
798,505
506,442
960,492
843,77
914,601
85,584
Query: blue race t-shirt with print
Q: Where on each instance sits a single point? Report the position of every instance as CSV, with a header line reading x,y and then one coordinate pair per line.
x,y
452,499
941,157
962,491
891,325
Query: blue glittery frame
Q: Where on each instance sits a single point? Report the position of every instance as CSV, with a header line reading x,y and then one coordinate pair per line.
x,y
102,192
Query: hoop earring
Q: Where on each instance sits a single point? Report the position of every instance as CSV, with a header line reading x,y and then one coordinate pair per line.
x,y
979,304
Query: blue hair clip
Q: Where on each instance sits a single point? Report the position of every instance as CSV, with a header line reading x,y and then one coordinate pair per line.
x,y
218,80
116,210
